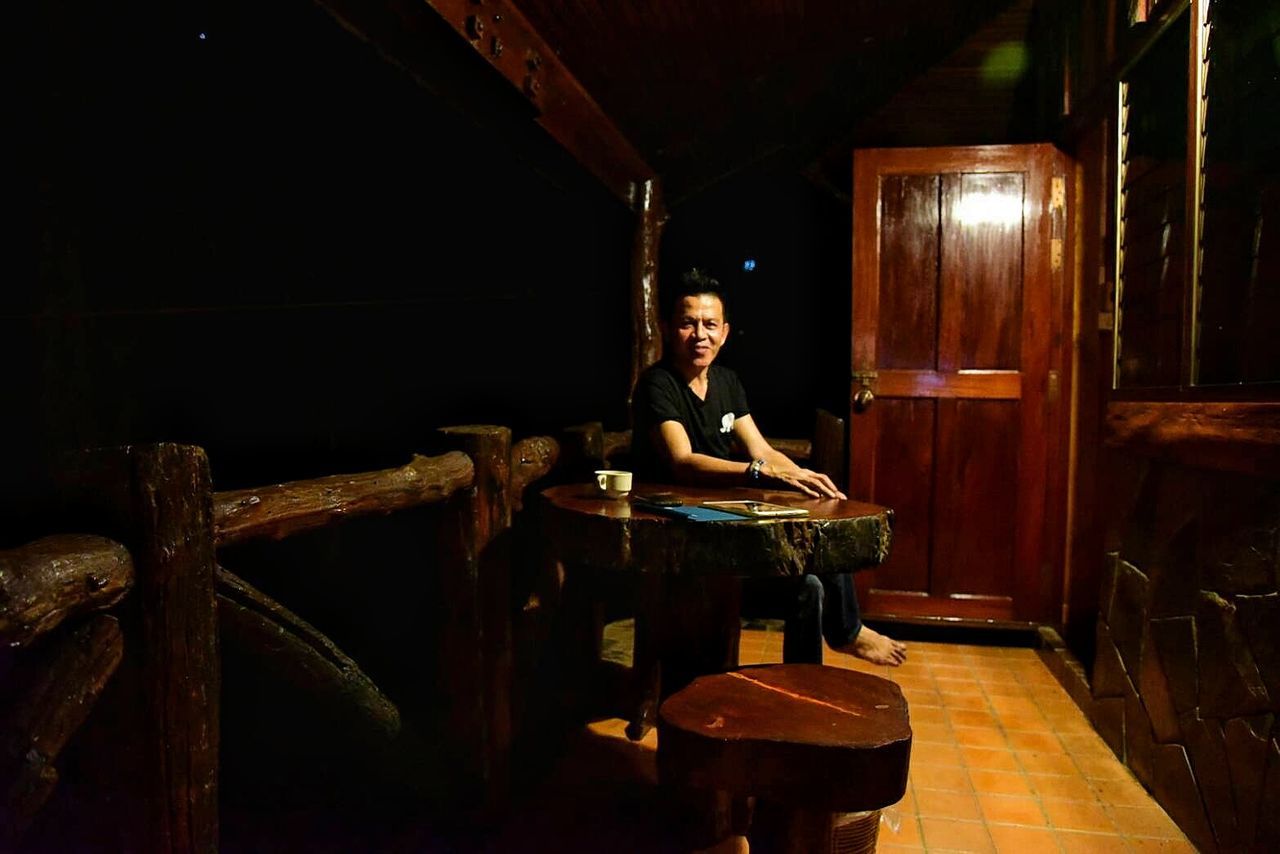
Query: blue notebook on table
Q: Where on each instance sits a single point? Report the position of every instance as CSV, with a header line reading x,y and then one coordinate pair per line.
x,y
696,513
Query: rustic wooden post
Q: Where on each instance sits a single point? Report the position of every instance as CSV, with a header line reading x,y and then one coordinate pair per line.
x,y
476,648
157,500
646,335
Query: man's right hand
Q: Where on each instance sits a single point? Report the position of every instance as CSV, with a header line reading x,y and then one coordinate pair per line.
x,y
811,483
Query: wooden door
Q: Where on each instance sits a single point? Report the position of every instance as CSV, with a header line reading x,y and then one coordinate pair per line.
x,y
959,310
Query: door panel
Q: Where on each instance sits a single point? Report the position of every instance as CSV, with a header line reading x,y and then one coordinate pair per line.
x,y
906,447
909,312
977,454
981,272
952,331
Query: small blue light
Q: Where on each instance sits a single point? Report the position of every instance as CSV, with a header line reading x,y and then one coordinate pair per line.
x,y
202,36
749,265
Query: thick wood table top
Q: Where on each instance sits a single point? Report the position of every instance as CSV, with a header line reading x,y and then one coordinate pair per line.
x,y
620,535
799,734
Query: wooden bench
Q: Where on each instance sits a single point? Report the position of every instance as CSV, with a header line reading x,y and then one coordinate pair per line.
x,y
808,742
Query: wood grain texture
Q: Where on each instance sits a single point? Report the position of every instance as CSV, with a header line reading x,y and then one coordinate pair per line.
x,y
51,579
287,508
157,500
646,328
794,734
906,448
992,384
43,711
532,459
981,271
973,551
1002,345
502,37
619,537
476,653
908,289
1240,437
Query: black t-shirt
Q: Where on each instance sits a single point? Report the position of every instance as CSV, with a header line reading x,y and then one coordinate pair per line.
x,y
662,395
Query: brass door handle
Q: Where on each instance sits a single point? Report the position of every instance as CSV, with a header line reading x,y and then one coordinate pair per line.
x,y
863,399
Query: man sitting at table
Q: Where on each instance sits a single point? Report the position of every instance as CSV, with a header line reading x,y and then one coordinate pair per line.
x,y
687,415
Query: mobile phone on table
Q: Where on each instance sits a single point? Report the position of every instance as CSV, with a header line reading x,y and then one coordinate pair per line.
x,y
659,499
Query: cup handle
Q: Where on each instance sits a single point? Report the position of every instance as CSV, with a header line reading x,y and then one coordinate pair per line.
x,y
601,481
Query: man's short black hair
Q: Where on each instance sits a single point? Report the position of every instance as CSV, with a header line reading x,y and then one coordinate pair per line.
x,y
692,283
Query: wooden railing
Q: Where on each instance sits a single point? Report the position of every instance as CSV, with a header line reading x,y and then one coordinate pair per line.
x,y
171,605
143,600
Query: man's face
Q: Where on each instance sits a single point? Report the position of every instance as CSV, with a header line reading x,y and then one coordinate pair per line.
x,y
696,330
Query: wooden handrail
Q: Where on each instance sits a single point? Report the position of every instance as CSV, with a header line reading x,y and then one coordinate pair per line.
x,y
287,508
50,579
531,458
294,651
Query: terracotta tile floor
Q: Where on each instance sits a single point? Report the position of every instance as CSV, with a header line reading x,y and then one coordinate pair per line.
x,y
1002,759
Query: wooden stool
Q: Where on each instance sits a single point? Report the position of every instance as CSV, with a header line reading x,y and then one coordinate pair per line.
x,y
808,742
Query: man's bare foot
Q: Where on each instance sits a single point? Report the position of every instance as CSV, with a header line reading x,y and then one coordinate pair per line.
x,y
874,647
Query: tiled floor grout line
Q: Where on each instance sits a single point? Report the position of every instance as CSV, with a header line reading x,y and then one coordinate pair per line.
x,y
1028,707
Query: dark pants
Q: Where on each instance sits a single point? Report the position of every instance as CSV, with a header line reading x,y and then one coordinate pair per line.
x,y
815,608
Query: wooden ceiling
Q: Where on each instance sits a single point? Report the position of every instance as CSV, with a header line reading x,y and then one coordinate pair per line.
x,y
705,89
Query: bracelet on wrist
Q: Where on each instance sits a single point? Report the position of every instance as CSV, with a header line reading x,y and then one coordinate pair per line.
x,y
754,470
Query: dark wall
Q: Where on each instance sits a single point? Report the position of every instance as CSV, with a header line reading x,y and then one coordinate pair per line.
x,y
256,235
1186,680
790,316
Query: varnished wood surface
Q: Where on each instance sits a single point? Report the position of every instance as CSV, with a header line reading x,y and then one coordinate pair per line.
x,y
953,244
532,459
620,535
287,508
157,501
795,734
504,38
993,384
646,331
476,654
53,578
45,705
982,273
1242,437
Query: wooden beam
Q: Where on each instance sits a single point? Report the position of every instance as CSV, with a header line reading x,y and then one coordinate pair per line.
x,y
504,38
50,579
1242,437
646,331
287,508
293,651
47,709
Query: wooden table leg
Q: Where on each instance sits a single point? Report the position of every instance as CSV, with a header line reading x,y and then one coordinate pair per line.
x,y
685,628
646,661
702,627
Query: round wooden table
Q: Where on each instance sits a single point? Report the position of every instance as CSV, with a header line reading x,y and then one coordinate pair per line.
x,y
686,573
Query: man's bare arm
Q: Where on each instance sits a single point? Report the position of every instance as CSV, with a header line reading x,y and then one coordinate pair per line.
x,y
778,467
688,467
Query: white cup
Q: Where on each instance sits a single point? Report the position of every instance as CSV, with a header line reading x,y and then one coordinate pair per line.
x,y
613,483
